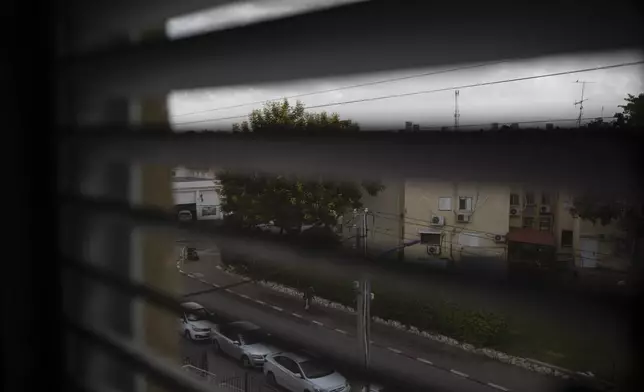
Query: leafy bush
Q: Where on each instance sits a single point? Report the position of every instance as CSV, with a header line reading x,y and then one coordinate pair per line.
x,y
475,327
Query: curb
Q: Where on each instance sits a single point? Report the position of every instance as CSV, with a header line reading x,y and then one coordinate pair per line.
x,y
525,363
342,332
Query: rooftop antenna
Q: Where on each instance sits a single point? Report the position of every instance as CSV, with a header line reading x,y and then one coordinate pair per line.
x,y
581,101
457,114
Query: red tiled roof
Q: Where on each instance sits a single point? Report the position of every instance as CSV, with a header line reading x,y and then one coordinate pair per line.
x,y
532,236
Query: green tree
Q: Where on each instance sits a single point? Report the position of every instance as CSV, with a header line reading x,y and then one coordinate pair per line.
x,y
282,116
289,202
632,115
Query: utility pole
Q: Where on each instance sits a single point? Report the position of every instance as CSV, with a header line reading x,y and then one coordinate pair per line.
x,y
457,114
363,305
581,101
365,231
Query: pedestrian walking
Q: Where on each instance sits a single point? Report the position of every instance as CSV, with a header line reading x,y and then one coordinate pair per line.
x,y
309,293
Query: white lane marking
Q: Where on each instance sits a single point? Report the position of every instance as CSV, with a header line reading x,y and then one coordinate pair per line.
x,y
244,296
317,322
198,275
341,331
395,350
218,267
204,281
497,387
423,360
297,315
459,373
277,308
260,302
228,290
214,284
191,275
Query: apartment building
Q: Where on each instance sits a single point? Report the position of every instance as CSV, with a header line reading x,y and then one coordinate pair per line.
x,y
471,225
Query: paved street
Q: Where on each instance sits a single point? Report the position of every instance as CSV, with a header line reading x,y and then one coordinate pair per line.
x,y
399,352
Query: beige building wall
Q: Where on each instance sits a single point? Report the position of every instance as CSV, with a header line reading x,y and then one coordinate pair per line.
x,y
487,204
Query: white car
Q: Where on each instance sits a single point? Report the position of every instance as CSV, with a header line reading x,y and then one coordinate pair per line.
x,y
194,323
243,341
298,373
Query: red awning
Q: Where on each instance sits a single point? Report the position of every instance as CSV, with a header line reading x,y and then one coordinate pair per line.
x,y
532,236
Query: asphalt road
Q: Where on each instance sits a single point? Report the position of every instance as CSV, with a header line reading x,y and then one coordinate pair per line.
x,y
332,344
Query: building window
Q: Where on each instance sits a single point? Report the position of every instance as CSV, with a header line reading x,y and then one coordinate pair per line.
x,y
465,204
430,238
545,224
528,222
566,238
545,198
444,204
529,199
514,199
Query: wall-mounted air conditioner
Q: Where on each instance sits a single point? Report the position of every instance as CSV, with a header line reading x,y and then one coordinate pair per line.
x,y
437,220
464,218
544,209
434,250
499,239
514,211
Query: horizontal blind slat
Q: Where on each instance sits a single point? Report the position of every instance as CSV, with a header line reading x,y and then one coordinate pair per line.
x,y
357,38
569,160
96,22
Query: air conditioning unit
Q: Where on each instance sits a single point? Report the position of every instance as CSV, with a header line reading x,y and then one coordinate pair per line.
x,y
514,211
434,250
499,239
545,209
437,220
464,218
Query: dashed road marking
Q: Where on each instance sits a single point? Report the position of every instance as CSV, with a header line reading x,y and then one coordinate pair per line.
x,y
394,350
459,373
423,360
244,296
214,285
317,322
191,275
198,275
228,290
260,302
277,308
497,387
296,315
204,281
218,267
341,331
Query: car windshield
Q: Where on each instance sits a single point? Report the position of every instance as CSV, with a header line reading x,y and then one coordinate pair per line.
x,y
251,337
198,314
314,369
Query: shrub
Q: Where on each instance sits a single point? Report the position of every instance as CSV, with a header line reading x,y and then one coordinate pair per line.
x,y
475,327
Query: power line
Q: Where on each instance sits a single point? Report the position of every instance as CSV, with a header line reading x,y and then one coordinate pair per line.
x,y
391,96
381,81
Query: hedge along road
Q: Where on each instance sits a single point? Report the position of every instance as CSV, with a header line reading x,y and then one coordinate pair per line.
x,y
430,353
320,338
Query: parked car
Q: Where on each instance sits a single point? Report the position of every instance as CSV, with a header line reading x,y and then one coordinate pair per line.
x,y
243,341
298,372
194,324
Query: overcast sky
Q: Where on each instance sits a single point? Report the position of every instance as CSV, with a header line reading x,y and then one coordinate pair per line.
x,y
538,99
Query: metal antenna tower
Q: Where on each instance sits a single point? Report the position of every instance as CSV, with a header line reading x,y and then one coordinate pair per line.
x,y
457,114
581,101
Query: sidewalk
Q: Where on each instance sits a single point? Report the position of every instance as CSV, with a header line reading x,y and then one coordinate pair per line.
x,y
451,359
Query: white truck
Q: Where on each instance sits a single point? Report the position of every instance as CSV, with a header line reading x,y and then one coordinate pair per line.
x,y
196,199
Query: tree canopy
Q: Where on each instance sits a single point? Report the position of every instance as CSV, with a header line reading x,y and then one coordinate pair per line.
x,y
282,116
289,202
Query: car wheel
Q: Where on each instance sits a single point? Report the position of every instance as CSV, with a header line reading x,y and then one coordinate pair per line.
x,y
186,334
270,379
246,362
216,347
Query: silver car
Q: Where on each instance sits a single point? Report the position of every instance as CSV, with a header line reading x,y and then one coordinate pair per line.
x,y
297,373
243,341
